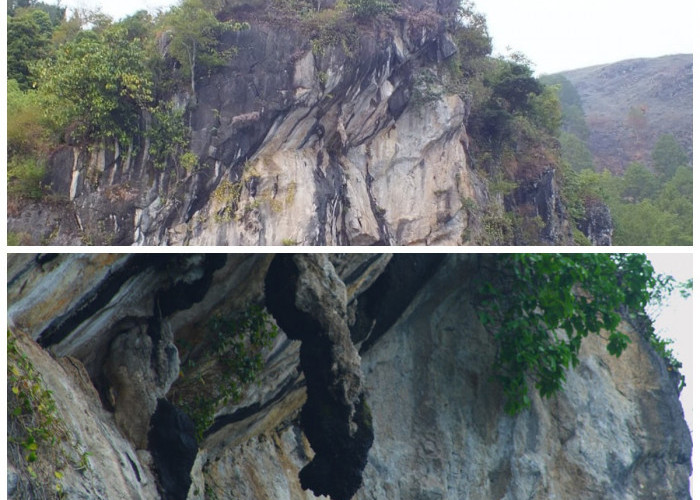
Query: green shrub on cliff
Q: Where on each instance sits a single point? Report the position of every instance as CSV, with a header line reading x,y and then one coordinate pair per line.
x,y
96,85
541,306
366,9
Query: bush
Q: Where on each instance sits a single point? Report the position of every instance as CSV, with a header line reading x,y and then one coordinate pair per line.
x,y
24,176
98,84
168,135
366,9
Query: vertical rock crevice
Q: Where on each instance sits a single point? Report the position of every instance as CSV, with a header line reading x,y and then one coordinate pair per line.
x,y
308,300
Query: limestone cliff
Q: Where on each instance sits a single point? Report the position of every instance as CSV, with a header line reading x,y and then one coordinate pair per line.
x,y
132,350
304,144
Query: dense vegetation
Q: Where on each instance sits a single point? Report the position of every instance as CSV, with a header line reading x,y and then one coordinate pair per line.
x,y
649,204
513,125
541,306
87,79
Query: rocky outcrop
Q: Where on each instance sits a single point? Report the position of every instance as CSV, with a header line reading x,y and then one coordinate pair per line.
x,y
597,225
298,143
308,301
425,372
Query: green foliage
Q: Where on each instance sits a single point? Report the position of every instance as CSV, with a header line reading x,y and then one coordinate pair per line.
x,y
169,136
97,84
472,37
195,38
668,155
573,116
645,209
28,40
35,428
189,161
28,143
26,133
238,344
227,193
367,9
513,93
638,183
545,111
24,176
541,307
644,223
575,152
329,28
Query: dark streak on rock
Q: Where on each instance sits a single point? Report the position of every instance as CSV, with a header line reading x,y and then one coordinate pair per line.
x,y
242,413
92,302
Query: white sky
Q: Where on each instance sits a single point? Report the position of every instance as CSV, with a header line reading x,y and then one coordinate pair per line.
x,y
558,35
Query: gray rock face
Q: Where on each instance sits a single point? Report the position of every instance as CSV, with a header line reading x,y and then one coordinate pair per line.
x,y
598,224
615,431
138,375
431,373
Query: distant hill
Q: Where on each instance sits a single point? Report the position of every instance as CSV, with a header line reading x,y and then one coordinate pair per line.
x,y
629,104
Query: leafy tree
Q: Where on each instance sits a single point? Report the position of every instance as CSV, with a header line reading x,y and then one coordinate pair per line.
x,y
668,155
97,84
28,39
575,152
511,87
169,136
540,307
638,183
195,38
645,223
472,35
546,110
573,116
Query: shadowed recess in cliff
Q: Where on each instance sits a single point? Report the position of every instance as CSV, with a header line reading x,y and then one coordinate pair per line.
x,y
172,443
384,302
308,300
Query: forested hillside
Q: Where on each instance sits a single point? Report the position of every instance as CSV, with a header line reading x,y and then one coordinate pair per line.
x,y
627,135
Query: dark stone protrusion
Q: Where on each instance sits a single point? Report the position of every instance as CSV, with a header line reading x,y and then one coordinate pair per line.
x,y
172,443
307,298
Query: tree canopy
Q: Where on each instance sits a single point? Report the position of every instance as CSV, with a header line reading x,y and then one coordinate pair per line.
x,y
668,155
541,307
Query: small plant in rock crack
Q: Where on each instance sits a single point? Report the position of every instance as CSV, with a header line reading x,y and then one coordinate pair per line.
x,y
38,439
239,341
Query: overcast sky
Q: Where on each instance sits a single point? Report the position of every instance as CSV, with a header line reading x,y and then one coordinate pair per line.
x,y
555,34
566,34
